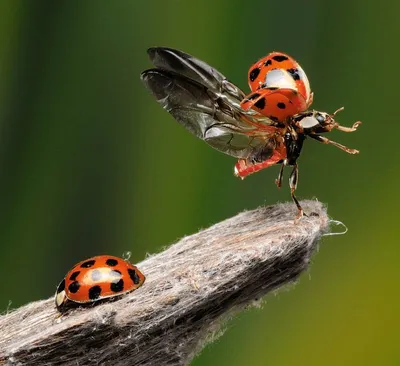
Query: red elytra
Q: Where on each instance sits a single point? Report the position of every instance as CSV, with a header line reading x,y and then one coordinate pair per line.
x,y
280,87
97,278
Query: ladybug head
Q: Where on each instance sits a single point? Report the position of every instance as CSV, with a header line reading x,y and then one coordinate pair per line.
x,y
61,297
316,122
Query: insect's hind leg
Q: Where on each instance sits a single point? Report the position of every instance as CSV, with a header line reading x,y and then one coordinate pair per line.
x,y
293,185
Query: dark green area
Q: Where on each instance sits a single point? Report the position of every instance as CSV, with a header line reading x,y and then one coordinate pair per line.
x,y
90,164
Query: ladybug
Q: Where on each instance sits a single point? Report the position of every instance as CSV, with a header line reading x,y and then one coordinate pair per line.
x,y
265,128
97,278
280,87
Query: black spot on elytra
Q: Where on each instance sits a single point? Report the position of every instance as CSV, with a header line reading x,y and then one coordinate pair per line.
x,y
253,96
94,292
111,262
74,287
260,103
134,276
88,264
96,275
294,73
281,105
280,58
268,62
74,275
117,286
264,86
115,273
254,73
61,286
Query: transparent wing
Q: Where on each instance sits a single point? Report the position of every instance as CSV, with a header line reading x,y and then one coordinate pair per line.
x,y
205,103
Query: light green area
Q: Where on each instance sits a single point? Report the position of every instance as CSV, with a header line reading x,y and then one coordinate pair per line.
x,y
90,164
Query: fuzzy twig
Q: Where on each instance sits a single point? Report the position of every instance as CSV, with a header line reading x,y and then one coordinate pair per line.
x,y
190,289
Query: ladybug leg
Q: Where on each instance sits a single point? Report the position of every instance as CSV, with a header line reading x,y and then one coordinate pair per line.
x,y
293,185
325,140
343,128
348,129
278,181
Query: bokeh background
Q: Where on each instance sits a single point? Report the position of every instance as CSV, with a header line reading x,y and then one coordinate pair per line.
x,y
90,164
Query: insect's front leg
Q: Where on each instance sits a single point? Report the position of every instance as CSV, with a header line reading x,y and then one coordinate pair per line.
x,y
348,129
325,140
343,128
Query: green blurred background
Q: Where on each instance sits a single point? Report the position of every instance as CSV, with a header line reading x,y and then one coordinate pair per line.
x,y
91,164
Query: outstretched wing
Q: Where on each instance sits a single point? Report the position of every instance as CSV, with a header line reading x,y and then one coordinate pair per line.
x,y
205,102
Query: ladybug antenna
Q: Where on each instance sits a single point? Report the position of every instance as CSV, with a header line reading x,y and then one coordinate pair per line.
x,y
337,111
127,255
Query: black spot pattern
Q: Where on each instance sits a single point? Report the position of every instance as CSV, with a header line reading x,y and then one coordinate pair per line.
x,y
61,286
280,58
260,103
254,73
111,262
268,62
74,287
133,275
281,105
94,292
253,96
96,275
88,264
294,73
117,286
74,275
264,86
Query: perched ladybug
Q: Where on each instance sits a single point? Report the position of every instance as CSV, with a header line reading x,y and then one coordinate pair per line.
x,y
280,87
265,128
96,279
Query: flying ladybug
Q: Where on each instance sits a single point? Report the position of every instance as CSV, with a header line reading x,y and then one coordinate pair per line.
x,y
261,129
